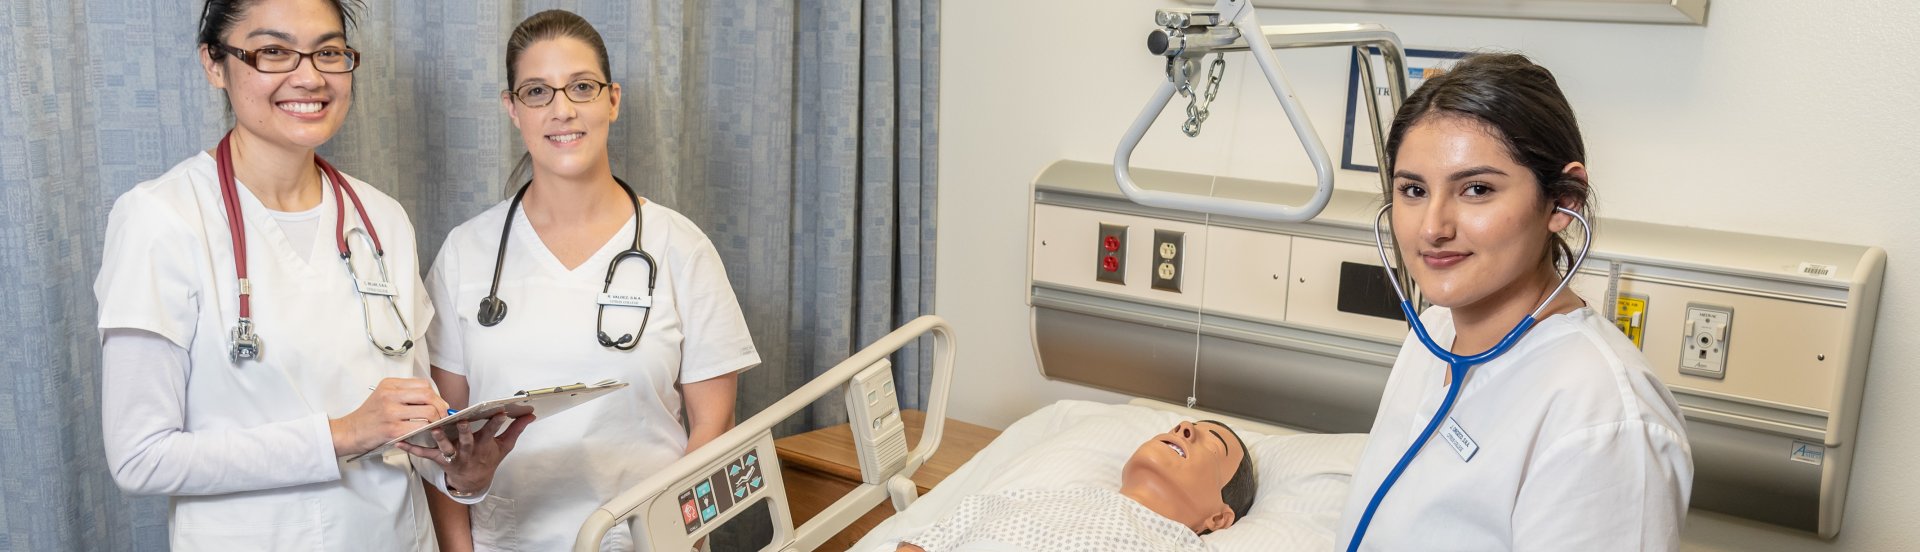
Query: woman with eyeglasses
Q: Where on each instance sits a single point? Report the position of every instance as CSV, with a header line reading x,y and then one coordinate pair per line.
x,y
578,279
262,317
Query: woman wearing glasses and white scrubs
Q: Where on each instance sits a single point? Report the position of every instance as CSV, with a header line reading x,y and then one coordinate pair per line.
x,y
236,371
1567,441
558,285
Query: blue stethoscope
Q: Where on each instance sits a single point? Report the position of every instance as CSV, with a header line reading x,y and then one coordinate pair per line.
x,y
1457,365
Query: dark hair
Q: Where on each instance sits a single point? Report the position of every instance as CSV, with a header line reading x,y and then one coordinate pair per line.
x,y
219,16
1240,490
1520,103
546,25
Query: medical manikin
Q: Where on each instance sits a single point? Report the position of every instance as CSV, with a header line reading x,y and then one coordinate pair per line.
x,y
1187,482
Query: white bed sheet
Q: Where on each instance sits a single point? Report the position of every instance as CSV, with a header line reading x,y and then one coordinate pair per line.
x,y
1303,478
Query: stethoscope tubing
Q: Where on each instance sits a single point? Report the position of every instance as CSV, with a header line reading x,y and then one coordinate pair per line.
x,y
493,310
342,194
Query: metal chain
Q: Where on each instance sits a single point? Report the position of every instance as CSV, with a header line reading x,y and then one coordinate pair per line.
x,y
1198,104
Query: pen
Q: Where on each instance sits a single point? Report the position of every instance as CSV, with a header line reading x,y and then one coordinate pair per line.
x,y
450,411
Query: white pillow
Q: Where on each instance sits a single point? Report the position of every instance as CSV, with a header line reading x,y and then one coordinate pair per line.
x,y
1303,478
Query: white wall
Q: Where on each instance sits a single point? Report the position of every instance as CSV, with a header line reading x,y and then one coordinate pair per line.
x,y
1780,117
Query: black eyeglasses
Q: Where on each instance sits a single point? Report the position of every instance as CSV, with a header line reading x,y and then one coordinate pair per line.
x,y
539,94
285,60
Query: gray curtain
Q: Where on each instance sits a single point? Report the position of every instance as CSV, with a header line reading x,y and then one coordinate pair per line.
x,y
799,135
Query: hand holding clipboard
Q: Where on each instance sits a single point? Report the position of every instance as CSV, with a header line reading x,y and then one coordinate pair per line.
x,y
540,403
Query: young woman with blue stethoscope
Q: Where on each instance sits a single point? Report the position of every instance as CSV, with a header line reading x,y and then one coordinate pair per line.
x,y
1516,416
577,279
261,316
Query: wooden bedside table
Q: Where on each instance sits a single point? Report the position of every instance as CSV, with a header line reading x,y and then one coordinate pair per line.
x,y
820,466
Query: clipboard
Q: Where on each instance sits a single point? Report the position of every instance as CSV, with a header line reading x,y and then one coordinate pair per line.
x,y
541,402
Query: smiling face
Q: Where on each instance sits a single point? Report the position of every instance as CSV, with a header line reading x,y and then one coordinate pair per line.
x,y
301,109
567,139
1470,221
1186,467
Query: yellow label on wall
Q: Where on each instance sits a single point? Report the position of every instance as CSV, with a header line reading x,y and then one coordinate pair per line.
x,y
1630,315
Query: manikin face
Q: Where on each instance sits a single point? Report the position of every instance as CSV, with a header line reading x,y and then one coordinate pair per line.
x,y
301,109
1188,465
1468,219
568,139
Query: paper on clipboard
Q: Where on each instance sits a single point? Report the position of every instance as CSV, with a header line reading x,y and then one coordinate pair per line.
x,y
542,403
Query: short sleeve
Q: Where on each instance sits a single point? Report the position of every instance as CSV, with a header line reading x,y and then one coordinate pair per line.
x,y
717,342
1616,486
449,351
147,278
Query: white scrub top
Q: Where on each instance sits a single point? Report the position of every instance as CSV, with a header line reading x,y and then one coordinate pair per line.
x,y
1580,447
250,462
565,467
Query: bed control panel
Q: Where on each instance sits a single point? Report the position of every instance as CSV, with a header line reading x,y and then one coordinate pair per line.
x,y
873,412
727,490
721,490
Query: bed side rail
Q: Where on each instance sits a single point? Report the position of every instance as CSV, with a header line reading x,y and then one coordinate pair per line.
x,y
684,502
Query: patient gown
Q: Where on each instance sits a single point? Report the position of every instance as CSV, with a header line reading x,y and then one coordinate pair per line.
x,y
1066,520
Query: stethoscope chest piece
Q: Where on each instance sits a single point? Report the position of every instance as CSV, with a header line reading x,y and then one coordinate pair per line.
x,y
245,345
492,311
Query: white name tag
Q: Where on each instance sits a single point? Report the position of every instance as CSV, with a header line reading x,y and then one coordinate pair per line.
x,y
1458,439
626,300
373,287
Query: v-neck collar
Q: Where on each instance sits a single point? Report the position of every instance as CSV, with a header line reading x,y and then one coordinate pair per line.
x,y
1434,382
529,239
259,221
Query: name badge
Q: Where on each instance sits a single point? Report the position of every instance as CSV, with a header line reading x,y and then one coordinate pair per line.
x,y
626,300
373,287
1458,439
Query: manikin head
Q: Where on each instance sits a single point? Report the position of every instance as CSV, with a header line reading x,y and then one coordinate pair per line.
x,y
1197,474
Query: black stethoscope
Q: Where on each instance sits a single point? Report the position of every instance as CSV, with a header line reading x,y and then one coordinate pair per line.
x,y
244,344
493,310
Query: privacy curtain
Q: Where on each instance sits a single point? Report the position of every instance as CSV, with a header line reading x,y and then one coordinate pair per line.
x,y
800,135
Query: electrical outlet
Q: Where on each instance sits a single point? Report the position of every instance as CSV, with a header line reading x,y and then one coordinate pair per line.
x,y
1169,250
1110,260
1703,350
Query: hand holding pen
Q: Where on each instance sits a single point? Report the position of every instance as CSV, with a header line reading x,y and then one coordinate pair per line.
x,y
396,407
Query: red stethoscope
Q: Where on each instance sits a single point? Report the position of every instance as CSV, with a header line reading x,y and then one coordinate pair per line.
x,y
244,344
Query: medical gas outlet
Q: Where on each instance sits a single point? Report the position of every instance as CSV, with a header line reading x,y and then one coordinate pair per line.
x,y
1111,258
1704,348
1168,250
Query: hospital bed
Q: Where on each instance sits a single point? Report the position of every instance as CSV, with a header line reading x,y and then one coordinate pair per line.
x,y
1302,476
